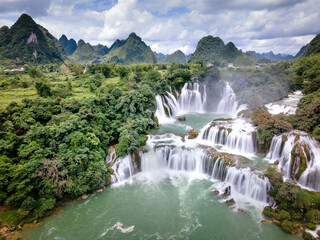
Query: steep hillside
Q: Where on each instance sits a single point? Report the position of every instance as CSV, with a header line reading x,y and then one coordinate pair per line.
x,y
208,49
176,57
230,52
314,47
69,46
101,49
27,42
129,51
84,53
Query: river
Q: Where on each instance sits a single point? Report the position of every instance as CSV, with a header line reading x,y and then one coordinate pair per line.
x,y
183,188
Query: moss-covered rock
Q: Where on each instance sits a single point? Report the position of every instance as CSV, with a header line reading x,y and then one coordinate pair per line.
x,y
193,134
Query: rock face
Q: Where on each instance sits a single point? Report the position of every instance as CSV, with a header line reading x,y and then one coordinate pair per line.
x,y
130,51
69,46
26,41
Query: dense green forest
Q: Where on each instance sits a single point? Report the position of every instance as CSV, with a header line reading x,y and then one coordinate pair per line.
x,y
53,147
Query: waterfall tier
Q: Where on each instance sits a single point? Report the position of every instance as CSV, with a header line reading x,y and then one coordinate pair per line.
x,y
228,103
193,98
287,105
236,136
299,158
242,182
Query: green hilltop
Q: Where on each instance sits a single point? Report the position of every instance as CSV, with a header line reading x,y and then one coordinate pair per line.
x,y
212,48
84,53
130,51
69,46
28,42
176,57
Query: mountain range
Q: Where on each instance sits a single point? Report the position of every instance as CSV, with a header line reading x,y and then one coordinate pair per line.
x,y
28,42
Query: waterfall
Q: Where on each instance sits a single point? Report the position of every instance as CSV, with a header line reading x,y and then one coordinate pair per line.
x,y
299,158
193,98
242,182
287,105
123,168
237,136
228,102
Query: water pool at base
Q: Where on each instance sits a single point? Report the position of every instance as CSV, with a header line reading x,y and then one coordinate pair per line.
x,y
168,206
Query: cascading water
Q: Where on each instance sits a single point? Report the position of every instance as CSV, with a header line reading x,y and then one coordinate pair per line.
x,y
237,136
287,105
243,183
193,98
123,167
228,102
299,158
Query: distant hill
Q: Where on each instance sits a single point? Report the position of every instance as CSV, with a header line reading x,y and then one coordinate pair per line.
x,y
176,57
230,52
313,47
101,49
130,51
271,56
210,49
69,46
160,55
84,53
28,42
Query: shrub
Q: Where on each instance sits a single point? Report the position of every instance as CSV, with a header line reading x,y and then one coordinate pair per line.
x,y
313,216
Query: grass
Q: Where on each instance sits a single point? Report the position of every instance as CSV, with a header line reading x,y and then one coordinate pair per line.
x,y
16,95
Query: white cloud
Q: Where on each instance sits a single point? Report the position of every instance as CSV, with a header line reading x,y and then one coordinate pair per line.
x,y
168,25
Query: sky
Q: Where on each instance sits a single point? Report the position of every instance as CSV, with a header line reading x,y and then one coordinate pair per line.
x,y
281,26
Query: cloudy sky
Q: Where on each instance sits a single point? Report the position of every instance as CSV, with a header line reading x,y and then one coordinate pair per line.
x,y
282,26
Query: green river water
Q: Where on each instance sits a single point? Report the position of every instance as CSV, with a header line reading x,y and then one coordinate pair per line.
x,y
165,205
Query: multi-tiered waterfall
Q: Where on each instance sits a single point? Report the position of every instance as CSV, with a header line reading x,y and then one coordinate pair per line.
x,y
237,136
299,158
177,156
242,182
193,98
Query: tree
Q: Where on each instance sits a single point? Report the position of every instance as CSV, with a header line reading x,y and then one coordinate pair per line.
x,y
106,70
123,72
34,72
77,69
43,88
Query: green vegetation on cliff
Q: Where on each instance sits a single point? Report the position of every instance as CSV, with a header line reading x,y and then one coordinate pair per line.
x,y
84,53
130,51
28,42
176,57
208,49
69,46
